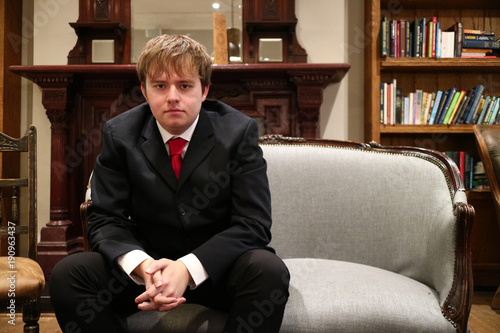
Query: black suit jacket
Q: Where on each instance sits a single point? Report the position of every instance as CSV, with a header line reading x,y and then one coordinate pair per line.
x,y
218,209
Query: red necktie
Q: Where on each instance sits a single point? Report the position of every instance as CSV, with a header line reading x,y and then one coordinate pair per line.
x,y
176,146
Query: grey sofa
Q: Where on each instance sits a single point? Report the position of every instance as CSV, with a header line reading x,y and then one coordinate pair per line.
x,y
376,239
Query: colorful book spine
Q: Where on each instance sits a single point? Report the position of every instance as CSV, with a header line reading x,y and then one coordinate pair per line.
x,y
484,110
446,107
478,94
435,108
480,44
383,36
453,110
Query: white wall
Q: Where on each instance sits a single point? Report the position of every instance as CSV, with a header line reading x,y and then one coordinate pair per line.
x,y
47,33
331,31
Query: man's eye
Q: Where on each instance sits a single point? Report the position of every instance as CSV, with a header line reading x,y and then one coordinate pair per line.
x,y
185,86
160,86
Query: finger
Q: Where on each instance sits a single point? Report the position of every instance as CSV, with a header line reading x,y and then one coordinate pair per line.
x,y
168,303
171,306
157,279
158,265
148,306
148,294
160,299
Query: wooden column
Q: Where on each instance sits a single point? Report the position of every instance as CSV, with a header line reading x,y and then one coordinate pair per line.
x,y
59,237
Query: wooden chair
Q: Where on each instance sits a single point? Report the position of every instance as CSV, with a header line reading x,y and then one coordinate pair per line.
x,y
21,279
488,144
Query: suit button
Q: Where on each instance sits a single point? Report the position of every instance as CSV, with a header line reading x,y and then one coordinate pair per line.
x,y
182,211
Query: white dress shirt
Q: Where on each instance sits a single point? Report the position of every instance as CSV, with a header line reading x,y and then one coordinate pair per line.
x,y
129,261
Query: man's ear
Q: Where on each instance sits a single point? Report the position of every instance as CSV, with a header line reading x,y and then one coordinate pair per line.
x,y
205,92
144,92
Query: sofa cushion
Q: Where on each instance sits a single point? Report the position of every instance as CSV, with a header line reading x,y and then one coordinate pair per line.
x,y
325,296
336,296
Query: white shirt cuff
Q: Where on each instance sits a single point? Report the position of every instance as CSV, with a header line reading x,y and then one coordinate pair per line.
x,y
196,269
129,261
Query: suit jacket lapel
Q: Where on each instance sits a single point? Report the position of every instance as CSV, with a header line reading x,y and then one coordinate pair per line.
x,y
155,152
200,145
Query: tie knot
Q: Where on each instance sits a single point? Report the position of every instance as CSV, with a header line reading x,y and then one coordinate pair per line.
x,y
176,146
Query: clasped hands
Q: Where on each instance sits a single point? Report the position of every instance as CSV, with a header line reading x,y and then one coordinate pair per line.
x,y
166,281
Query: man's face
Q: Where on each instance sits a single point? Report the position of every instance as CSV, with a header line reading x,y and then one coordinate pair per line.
x,y
174,100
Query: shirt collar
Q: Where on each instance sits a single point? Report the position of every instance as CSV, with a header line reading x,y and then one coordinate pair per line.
x,y
186,135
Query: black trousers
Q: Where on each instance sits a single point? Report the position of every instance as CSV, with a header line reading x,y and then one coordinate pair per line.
x,y
89,295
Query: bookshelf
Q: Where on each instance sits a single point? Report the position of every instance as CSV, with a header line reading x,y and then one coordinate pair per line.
x,y
432,75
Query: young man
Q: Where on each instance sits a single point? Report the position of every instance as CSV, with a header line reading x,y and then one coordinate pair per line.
x,y
196,235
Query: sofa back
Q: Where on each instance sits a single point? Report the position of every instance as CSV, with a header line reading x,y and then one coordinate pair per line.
x,y
389,210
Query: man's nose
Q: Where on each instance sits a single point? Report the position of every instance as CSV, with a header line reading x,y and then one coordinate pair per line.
x,y
173,94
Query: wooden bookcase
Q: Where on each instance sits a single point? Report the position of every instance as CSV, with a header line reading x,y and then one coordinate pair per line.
x,y
431,75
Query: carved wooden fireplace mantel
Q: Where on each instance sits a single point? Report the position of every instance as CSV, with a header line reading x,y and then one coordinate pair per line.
x,y
284,97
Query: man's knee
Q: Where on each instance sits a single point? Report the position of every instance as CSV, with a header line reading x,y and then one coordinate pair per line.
x,y
75,264
266,267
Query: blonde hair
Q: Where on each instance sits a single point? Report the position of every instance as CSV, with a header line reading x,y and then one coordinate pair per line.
x,y
180,54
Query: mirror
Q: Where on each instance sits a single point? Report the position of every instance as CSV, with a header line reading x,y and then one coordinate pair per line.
x,y
151,18
270,50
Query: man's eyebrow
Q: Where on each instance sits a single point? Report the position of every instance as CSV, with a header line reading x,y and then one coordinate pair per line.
x,y
182,80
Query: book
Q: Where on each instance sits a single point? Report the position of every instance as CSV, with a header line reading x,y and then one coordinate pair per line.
x,y
438,40
494,112
384,116
474,52
483,110
392,39
487,114
393,101
435,108
396,39
478,32
409,119
429,98
481,44
469,50
463,104
478,94
389,104
454,107
383,36
402,38
399,106
382,91
447,44
464,107
431,43
416,120
423,28
458,29
451,107
408,38
406,109
445,101
432,37
478,112
417,38
479,37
